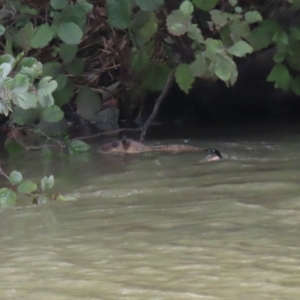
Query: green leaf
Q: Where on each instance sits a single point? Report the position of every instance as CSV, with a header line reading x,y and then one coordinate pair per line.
x,y
15,177
64,95
156,78
58,4
238,9
187,7
178,23
7,196
67,52
47,86
295,5
20,84
61,81
84,5
233,2
295,33
280,75
22,116
220,18
5,107
42,37
70,33
225,36
75,12
52,69
293,59
7,58
253,17
47,183
25,100
140,61
2,29
261,36
27,62
240,49
88,103
184,77
25,9
143,27
213,48
205,4
24,36
19,58
118,13
21,22
7,83
149,5
224,67
52,114
76,68
286,49
27,187
78,146
199,66
12,146
195,33
281,36
233,77
31,68
5,69
279,57
46,101
296,85
239,29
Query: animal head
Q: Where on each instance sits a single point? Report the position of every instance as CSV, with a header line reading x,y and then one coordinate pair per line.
x,y
214,154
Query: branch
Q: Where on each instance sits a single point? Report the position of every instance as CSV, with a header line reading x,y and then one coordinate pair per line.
x,y
4,174
106,133
158,103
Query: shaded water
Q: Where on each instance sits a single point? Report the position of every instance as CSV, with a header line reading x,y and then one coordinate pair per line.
x,y
157,226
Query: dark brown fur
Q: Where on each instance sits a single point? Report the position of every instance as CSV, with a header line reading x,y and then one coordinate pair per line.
x,y
131,146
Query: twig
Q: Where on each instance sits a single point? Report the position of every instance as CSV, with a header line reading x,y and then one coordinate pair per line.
x,y
4,174
158,103
105,133
59,143
37,148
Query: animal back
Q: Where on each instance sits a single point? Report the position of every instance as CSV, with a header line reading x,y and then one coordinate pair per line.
x,y
175,148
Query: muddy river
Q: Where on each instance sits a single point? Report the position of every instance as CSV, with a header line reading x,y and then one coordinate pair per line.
x,y
160,226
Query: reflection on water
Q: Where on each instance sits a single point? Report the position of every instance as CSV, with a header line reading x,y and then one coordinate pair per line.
x,y
157,226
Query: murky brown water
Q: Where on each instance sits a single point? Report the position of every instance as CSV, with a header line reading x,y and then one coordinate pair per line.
x,y
160,226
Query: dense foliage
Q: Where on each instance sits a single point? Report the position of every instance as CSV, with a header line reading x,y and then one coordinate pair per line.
x,y
8,195
77,54
60,44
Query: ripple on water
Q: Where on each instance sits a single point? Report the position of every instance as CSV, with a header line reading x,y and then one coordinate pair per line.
x,y
162,227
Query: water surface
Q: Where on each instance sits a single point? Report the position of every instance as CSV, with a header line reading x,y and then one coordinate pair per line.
x,y
158,226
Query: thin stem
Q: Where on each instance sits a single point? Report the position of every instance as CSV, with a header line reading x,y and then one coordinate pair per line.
x,y
158,103
4,174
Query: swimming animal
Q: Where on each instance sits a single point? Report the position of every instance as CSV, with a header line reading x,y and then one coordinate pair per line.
x,y
132,146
